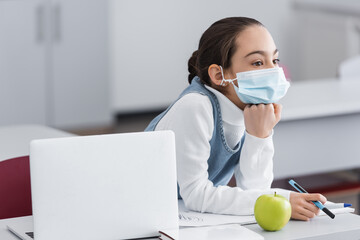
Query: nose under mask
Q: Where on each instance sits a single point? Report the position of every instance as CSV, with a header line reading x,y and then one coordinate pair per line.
x,y
260,86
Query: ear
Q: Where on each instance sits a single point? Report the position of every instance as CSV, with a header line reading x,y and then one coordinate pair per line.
x,y
215,75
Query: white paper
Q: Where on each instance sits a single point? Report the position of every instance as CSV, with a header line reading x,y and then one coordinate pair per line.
x,y
224,232
195,219
337,211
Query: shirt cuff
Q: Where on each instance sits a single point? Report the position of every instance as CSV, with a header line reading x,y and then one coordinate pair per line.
x,y
252,138
283,192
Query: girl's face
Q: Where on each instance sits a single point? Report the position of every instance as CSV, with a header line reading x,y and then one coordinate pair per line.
x,y
255,50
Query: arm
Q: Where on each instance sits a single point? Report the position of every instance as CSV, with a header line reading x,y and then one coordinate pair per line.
x,y
255,170
191,119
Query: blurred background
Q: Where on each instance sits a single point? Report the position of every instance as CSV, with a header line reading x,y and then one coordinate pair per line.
x,y
106,66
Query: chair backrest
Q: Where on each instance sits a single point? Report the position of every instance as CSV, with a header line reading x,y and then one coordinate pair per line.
x,y
15,188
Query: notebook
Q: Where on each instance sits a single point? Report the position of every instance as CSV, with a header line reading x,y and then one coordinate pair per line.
x,y
116,186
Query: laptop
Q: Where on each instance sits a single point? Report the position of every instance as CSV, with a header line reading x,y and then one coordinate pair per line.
x,y
115,186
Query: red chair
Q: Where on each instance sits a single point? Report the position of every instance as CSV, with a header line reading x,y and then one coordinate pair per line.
x,y
15,188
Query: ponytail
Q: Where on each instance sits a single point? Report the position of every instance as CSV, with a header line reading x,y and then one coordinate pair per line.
x,y
192,68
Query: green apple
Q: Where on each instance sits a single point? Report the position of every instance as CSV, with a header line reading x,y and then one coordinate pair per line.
x,y
272,211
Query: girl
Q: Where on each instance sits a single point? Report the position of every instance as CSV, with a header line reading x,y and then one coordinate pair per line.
x,y
223,122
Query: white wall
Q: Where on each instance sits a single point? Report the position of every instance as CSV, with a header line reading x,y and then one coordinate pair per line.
x,y
152,40
325,33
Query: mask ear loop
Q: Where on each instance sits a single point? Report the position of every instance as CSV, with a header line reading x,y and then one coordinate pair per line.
x,y
223,81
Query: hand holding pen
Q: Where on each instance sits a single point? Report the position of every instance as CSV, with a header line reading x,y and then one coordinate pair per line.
x,y
302,207
318,200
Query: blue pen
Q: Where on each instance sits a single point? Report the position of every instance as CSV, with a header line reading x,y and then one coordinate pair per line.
x,y
317,203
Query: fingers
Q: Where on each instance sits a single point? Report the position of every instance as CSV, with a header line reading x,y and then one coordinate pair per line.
x,y
259,119
309,211
311,207
300,217
277,111
303,215
302,206
315,197
269,108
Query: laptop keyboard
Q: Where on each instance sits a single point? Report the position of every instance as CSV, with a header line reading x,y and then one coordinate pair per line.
x,y
30,234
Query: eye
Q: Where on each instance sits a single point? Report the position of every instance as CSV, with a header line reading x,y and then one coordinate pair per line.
x,y
276,61
257,63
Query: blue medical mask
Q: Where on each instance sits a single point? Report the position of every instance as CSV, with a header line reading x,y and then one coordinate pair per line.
x,y
260,86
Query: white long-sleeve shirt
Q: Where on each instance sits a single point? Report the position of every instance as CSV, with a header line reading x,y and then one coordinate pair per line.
x,y
191,119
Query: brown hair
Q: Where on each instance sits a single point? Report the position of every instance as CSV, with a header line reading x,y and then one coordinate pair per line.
x,y
217,45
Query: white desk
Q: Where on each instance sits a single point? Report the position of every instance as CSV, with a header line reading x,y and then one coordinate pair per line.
x,y
319,128
14,140
344,226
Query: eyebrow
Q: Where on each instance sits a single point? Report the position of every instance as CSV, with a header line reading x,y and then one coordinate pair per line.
x,y
260,52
